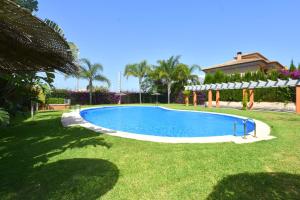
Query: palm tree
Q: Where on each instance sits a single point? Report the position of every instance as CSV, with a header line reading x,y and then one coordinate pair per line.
x,y
138,70
90,72
166,71
184,73
171,71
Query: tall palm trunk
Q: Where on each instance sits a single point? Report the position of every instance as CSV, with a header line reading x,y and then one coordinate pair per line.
x,y
91,91
169,91
140,82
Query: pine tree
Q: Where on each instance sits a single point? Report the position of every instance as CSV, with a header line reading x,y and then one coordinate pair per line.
x,y
292,66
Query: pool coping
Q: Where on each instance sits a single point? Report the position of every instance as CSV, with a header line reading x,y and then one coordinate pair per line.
x,y
263,131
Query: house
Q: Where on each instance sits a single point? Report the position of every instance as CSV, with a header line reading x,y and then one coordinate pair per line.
x,y
242,63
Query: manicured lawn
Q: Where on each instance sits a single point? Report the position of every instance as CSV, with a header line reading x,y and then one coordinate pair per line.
x,y
42,160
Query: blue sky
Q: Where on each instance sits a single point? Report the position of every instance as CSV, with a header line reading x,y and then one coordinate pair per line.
x,y
115,33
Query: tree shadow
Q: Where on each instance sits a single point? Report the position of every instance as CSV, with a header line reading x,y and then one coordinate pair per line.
x,y
77,178
258,186
28,144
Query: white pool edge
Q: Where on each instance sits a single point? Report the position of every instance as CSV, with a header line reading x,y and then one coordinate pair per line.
x,y
263,131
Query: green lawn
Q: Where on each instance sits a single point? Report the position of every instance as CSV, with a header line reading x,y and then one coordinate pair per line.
x,y
42,160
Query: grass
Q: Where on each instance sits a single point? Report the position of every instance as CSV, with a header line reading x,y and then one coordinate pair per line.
x,y
42,160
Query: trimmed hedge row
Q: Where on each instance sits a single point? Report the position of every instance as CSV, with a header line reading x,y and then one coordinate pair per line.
x,y
82,98
287,94
55,100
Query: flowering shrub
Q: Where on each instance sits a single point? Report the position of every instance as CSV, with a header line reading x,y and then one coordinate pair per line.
x,y
201,98
105,97
295,74
284,74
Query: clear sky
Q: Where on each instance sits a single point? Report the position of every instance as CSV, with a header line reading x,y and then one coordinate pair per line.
x,y
115,33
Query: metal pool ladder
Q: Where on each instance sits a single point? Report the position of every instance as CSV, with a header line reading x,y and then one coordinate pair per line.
x,y
245,127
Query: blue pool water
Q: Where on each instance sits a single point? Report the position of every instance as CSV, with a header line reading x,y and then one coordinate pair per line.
x,y
158,121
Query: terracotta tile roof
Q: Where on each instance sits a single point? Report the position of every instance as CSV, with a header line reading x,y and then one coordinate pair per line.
x,y
233,62
245,58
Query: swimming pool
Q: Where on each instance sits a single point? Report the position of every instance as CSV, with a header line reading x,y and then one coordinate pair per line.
x,y
159,121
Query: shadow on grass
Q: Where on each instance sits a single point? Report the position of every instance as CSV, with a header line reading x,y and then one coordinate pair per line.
x,y
77,178
26,173
258,186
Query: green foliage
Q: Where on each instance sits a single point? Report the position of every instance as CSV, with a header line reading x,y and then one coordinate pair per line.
x,y
261,94
55,101
274,75
248,77
259,75
4,117
174,75
219,77
31,5
235,77
169,75
91,72
19,89
245,100
299,66
186,93
292,66
209,78
42,160
140,71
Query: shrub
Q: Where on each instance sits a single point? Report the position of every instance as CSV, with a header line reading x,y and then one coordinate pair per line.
x,y
286,94
105,97
55,101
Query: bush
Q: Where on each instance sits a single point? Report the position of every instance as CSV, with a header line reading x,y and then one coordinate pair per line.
x,y
286,94
55,101
105,97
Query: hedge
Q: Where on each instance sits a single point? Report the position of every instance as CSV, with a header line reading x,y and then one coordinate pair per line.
x,y
55,100
82,98
287,94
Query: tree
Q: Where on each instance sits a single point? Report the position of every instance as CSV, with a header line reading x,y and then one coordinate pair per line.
x,y
219,77
31,5
138,70
91,73
247,76
166,71
184,75
209,78
73,48
236,77
292,66
299,66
